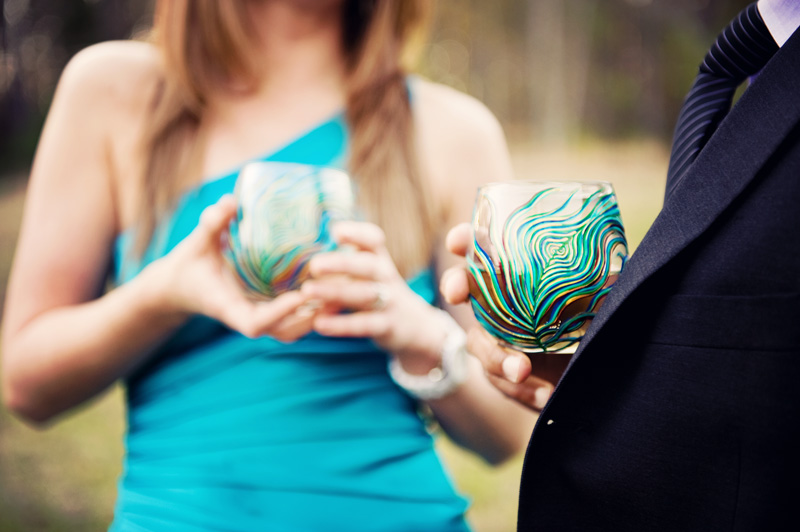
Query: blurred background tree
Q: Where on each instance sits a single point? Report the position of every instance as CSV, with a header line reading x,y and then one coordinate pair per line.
x,y
562,70
585,89
38,37
554,71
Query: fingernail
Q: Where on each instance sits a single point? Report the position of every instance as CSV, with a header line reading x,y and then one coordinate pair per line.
x,y
309,308
511,368
541,396
336,232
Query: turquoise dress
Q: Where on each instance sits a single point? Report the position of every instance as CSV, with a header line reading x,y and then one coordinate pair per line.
x,y
231,434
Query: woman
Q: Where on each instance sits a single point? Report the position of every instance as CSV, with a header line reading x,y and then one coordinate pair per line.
x,y
245,415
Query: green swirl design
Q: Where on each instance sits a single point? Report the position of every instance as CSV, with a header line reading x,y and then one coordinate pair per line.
x,y
284,218
537,286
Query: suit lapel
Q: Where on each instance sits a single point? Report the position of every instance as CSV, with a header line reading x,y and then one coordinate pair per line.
x,y
733,156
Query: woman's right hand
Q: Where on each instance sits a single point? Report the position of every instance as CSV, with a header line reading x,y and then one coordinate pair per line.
x,y
194,279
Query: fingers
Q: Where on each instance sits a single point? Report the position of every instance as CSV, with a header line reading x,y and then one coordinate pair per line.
x,y
291,327
359,264
370,261
510,365
349,294
254,319
533,392
454,285
362,235
215,218
267,313
458,238
509,371
355,325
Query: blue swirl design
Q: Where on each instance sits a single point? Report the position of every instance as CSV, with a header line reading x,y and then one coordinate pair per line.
x,y
539,286
284,218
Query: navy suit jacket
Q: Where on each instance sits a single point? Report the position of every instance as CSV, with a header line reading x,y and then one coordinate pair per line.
x,y
681,409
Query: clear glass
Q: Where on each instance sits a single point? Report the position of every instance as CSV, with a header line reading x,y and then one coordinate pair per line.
x,y
543,258
285,212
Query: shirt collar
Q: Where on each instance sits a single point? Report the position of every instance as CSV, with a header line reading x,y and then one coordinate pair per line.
x,y
782,18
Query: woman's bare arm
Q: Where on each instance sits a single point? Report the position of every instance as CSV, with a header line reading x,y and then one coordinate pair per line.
x,y
464,147
63,340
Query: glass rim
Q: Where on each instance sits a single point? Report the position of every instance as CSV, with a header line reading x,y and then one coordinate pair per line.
x,y
318,168
518,183
269,171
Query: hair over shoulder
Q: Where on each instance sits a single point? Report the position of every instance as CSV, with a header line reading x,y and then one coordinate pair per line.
x,y
206,46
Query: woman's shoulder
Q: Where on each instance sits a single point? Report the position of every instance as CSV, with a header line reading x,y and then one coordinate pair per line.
x,y
453,113
460,142
122,74
108,88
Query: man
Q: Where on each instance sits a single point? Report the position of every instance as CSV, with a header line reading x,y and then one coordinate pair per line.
x,y
681,409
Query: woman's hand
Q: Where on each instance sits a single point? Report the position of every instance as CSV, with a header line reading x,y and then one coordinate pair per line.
x,y
194,279
380,304
528,381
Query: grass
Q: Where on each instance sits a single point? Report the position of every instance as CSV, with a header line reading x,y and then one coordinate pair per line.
x,y
64,478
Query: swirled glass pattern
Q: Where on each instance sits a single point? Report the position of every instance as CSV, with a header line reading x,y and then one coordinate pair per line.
x,y
284,216
543,258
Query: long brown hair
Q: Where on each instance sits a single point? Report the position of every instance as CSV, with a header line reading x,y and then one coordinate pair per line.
x,y
206,43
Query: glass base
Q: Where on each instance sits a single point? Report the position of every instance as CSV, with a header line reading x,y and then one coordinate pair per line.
x,y
568,349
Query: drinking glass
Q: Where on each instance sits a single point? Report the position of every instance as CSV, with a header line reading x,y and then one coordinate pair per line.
x,y
284,216
543,257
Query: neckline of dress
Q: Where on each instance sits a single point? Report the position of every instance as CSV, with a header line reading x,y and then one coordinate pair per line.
x,y
268,154
264,156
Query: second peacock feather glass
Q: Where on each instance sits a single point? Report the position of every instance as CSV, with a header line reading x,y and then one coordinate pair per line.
x,y
543,257
285,212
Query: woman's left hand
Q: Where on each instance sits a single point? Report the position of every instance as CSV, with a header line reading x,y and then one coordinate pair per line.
x,y
379,303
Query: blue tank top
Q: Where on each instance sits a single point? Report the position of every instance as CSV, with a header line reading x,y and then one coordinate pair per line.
x,y
231,434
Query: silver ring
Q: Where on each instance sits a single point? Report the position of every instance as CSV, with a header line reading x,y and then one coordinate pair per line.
x,y
381,296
